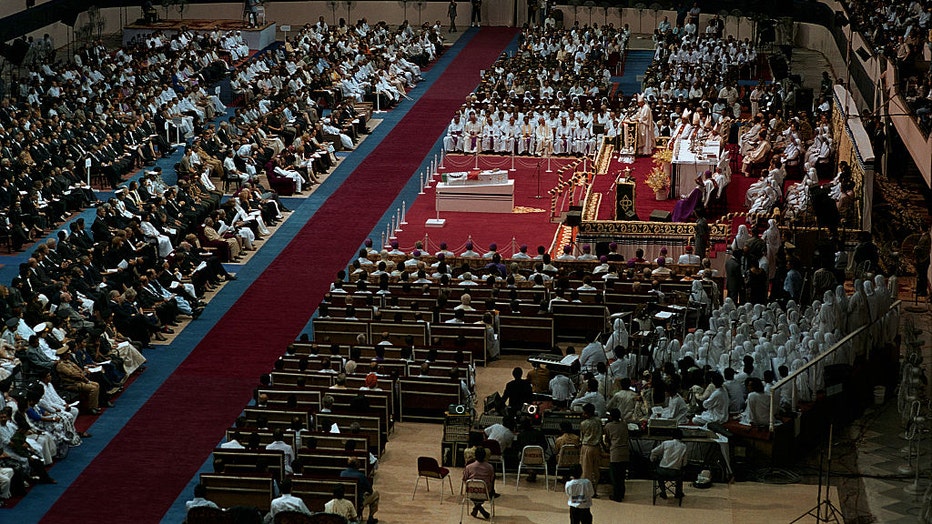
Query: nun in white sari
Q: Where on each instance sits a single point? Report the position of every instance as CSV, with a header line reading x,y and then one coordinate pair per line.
x,y
619,336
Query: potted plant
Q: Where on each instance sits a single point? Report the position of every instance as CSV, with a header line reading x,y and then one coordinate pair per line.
x,y
659,182
659,177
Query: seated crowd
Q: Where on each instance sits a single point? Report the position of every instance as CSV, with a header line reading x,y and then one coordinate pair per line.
x,y
544,99
87,301
692,84
902,32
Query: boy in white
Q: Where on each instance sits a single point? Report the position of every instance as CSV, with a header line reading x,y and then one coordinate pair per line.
x,y
579,493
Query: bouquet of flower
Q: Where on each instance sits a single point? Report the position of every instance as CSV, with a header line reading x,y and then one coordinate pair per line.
x,y
663,156
658,180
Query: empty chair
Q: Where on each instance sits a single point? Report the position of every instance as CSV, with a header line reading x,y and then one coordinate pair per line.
x,y
566,459
532,457
428,468
495,454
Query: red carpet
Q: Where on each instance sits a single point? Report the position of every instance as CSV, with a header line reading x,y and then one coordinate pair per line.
x,y
143,470
531,228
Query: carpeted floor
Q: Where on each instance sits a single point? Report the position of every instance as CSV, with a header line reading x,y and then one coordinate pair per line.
x,y
636,64
528,224
151,460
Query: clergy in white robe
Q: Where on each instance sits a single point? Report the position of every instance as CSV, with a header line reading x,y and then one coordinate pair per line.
x,y
507,131
563,138
526,138
490,135
164,243
543,138
583,141
453,141
645,122
472,134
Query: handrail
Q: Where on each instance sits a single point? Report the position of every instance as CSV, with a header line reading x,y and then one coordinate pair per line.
x,y
791,378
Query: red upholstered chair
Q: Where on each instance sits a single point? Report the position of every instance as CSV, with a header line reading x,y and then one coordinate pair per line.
x,y
218,247
282,185
428,468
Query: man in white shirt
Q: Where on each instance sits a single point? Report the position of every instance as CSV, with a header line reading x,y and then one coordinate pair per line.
x,y
689,257
591,396
278,443
199,500
338,505
562,390
235,442
672,456
286,502
592,354
501,433
716,406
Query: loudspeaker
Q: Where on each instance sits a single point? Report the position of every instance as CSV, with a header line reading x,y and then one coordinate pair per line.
x,y
16,52
658,215
824,207
804,98
766,31
779,67
572,218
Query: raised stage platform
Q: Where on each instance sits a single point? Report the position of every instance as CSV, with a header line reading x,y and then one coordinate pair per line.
x,y
255,37
537,214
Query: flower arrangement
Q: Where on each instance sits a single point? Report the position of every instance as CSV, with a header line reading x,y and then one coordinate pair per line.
x,y
663,156
658,180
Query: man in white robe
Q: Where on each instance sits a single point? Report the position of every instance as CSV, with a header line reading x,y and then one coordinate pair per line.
x,y
645,122
454,139
543,138
472,134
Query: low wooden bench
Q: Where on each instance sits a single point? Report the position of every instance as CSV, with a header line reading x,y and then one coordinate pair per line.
x,y
333,441
380,401
526,332
244,461
427,399
332,462
265,436
317,490
339,331
276,418
228,490
369,426
449,336
576,321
